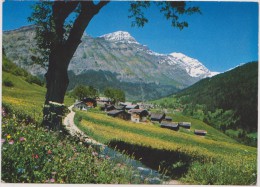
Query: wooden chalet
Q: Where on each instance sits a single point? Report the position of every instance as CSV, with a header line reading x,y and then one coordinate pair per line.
x,y
170,125
119,114
107,107
168,118
125,103
120,107
129,107
103,100
81,105
157,117
138,115
200,132
91,103
185,125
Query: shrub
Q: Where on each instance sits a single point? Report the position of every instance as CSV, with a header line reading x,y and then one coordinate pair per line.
x,y
8,83
33,79
19,72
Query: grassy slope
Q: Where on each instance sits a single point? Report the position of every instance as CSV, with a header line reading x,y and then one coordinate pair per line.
x,y
25,96
215,147
96,122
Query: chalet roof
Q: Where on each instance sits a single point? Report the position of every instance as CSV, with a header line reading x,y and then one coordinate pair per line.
x,y
87,99
168,118
200,132
170,124
110,106
132,107
120,107
185,123
139,111
157,116
115,112
125,103
79,102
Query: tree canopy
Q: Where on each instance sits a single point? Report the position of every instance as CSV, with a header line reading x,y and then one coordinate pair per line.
x,y
81,91
115,95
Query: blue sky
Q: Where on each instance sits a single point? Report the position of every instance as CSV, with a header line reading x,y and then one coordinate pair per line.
x,y
224,36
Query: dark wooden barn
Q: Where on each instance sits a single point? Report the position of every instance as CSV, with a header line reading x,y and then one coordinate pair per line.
x,y
157,117
107,107
200,132
119,114
170,125
168,118
185,125
138,115
129,107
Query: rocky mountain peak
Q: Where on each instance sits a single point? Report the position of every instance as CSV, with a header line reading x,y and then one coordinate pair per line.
x,y
192,66
119,36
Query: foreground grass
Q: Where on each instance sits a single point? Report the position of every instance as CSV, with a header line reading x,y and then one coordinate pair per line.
x,y
34,155
200,160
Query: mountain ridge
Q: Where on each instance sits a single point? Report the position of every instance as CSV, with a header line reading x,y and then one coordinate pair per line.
x,y
118,53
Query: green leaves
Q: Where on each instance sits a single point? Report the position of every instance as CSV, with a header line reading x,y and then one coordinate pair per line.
x,y
82,91
171,10
115,95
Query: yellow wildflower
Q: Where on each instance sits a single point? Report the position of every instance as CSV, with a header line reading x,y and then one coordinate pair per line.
x,y
8,136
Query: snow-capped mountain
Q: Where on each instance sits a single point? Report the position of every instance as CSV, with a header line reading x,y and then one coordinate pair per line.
x,y
116,60
192,66
119,36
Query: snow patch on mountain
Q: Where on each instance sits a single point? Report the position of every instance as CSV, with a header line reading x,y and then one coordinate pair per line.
x,y
119,36
192,66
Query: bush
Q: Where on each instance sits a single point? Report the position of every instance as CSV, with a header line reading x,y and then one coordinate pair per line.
x,y
19,72
33,79
8,83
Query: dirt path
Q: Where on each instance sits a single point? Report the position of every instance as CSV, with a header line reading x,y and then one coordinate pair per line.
x,y
69,124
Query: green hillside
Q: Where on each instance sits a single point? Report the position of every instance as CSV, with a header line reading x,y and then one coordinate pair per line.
x,y
134,91
22,90
227,101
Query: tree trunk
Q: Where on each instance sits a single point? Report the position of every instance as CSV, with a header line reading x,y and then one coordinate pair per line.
x,y
61,53
56,83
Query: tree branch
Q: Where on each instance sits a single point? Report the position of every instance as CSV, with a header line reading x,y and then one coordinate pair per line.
x,y
87,12
61,10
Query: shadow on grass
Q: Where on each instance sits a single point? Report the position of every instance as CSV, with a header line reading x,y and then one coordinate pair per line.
x,y
171,163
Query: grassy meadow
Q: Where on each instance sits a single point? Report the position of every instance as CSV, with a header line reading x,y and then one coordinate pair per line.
x,y
181,154
26,97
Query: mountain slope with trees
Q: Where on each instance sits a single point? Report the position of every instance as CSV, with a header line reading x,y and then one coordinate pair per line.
x,y
227,101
